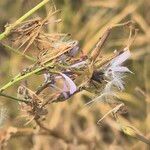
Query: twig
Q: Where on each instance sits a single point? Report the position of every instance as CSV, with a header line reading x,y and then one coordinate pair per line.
x,y
100,44
96,52
42,87
114,110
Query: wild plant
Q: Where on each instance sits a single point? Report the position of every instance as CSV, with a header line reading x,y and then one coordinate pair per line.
x,y
65,70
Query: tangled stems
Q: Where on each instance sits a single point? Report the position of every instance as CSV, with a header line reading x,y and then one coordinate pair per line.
x,y
25,16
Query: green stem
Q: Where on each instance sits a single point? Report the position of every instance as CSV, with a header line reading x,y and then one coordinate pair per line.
x,y
19,53
25,16
20,77
13,98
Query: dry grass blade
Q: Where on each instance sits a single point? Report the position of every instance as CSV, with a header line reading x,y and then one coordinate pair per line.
x,y
115,20
114,111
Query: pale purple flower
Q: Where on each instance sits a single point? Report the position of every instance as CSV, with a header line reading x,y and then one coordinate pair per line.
x,y
65,90
68,84
79,64
75,49
121,58
72,86
114,71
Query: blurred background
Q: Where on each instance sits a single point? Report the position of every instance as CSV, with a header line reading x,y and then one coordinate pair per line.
x,y
85,20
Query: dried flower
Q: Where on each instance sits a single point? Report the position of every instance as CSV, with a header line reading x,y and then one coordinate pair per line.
x,y
113,74
69,87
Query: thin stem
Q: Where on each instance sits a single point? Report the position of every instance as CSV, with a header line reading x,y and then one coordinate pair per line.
x,y
19,77
96,52
19,53
25,16
42,87
13,98
128,23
